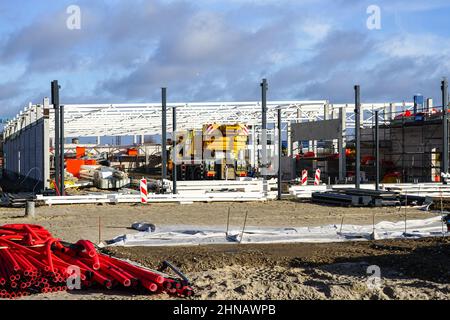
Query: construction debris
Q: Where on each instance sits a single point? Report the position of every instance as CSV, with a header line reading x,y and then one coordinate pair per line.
x,y
16,200
33,261
367,198
410,190
306,191
104,177
143,226
152,198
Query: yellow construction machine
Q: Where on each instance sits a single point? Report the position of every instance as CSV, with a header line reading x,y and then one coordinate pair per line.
x,y
217,151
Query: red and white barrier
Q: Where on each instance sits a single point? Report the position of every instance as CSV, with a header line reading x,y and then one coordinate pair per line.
x,y
317,178
304,181
144,192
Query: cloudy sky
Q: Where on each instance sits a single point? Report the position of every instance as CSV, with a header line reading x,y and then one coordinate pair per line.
x,y
207,50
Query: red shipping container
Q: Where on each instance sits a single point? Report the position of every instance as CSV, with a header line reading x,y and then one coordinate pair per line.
x,y
74,165
81,152
132,152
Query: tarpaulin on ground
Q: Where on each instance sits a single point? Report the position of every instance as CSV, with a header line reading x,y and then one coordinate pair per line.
x,y
328,233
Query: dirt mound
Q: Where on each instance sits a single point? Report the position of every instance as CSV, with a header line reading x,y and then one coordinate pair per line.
x,y
410,269
424,259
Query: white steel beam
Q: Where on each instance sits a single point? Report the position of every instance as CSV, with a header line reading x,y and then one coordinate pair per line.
x,y
95,120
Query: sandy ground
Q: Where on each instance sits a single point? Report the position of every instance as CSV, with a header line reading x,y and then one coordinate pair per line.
x,y
73,222
298,271
410,269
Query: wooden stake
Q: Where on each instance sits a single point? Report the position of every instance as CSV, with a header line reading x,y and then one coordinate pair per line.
x,y
243,228
406,208
228,221
342,222
373,222
99,229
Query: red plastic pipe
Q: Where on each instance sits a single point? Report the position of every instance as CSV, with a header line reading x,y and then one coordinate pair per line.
x,y
138,271
90,250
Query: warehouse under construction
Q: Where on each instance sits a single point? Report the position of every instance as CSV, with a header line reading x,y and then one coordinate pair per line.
x,y
259,173
200,150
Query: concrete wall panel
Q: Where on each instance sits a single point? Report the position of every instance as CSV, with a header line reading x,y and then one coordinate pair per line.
x,y
317,130
26,159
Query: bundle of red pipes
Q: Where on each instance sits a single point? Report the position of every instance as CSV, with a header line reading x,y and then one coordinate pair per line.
x,y
33,261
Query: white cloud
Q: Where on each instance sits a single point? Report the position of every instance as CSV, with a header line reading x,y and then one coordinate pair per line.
x,y
398,6
414,45
221,49
315,29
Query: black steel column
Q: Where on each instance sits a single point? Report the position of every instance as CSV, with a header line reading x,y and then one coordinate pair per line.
x,y
55,103
174,144
264,126
279,154
164,135
264,103
61,150
444,88
357,137
377,153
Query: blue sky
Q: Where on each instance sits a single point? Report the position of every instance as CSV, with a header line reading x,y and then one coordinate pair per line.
x,y
208,50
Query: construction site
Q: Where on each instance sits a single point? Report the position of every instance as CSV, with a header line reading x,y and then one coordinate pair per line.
x,y
242,200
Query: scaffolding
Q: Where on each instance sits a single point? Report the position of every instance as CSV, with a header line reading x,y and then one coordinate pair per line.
x,y
410,146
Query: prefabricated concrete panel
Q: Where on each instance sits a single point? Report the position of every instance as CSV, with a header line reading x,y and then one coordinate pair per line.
x,y
317,130
287,168
26,157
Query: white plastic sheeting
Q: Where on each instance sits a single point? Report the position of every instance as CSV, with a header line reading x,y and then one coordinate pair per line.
x,y
329,233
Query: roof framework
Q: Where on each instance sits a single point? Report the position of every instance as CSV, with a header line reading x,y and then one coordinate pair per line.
x,y
95,120
145,119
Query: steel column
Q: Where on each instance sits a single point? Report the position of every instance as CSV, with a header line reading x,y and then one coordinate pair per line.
x,y
174,145
164,135
357,137
342,144
444,89
279,154
254,149
46,143
55,103
289,140
377,153
264,128
429,105
61,151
